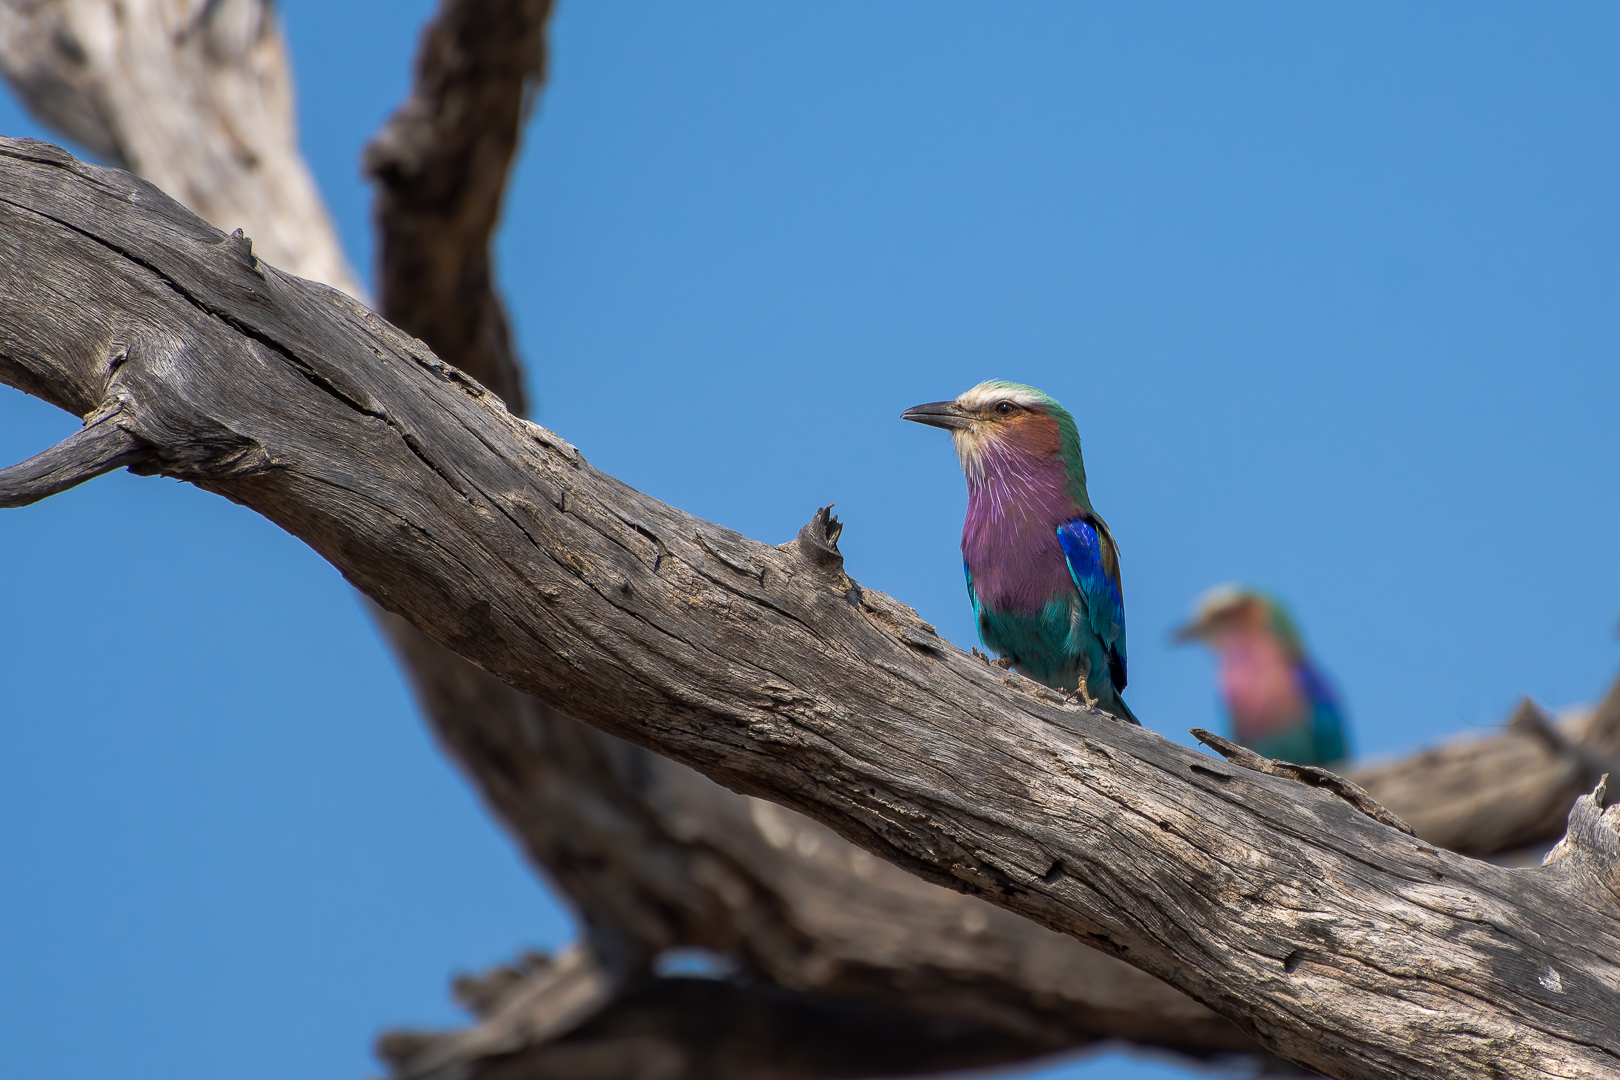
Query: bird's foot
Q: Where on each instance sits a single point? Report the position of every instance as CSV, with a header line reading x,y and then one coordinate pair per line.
x,y
1085,696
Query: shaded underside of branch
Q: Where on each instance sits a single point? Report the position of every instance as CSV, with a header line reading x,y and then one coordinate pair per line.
x,y
678,1027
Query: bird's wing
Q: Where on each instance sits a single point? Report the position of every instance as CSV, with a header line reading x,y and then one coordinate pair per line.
x,y
1315,685
1094,565
1327,714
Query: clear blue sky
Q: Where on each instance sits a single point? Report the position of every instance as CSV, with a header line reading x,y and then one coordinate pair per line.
x,y
1331,289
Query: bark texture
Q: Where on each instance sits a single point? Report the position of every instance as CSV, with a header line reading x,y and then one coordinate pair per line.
x,y
1335,939
651,853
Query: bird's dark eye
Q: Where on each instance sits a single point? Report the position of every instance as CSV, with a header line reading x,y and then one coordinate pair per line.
x,y
1006,408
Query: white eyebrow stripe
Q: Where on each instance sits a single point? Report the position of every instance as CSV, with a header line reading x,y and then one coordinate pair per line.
x,y
986,394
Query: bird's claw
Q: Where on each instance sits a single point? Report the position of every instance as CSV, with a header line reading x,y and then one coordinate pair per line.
x,y
1085,695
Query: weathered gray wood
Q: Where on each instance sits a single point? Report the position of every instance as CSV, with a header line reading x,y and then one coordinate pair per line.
x,y
1335,939
654,856
651,854
177,87
1313,775
174,100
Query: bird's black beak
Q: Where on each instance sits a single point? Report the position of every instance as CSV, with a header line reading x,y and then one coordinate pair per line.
x,y
1195,630
945,414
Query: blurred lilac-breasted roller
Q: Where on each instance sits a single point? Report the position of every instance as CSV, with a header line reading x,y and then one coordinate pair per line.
x,y
1042,568
1279,702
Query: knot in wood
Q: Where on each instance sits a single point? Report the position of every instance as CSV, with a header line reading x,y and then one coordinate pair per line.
x,y
818,540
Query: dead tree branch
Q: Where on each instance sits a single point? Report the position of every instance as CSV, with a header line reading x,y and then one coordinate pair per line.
x,y
640,884
1511,790
656,856
440,165
1336,940
99,447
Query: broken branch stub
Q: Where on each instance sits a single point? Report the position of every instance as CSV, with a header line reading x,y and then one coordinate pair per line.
x,y
1590,850
1313,775
1335,939
94,450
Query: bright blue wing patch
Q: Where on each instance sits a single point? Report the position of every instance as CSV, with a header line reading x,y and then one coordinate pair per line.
x,y
1105,607
1328,729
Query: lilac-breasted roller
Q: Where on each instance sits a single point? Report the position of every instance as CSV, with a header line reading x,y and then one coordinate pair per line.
x,y
1042,568
1279,702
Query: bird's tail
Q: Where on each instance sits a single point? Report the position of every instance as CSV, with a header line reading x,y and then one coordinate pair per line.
x,y
1115,706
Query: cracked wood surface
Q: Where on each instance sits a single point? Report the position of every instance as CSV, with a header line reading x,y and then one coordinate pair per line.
x,y
1336,940
654,855
441,161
